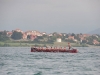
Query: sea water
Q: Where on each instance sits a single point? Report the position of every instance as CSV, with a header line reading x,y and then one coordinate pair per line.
x,y
20,61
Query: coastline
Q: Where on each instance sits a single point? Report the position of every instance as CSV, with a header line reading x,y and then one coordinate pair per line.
x,y
55,44
46,45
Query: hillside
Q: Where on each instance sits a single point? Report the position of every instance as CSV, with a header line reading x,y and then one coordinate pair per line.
x,y
97,31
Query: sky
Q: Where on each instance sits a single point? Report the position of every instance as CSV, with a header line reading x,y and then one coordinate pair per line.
x,y
63,16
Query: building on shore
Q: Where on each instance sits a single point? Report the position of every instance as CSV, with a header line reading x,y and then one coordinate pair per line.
x,y
59,40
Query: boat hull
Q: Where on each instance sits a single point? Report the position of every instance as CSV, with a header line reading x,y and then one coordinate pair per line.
x,y
54,50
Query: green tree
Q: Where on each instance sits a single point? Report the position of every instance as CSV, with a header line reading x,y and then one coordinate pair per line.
x,y
84,41
99,39
45,36
90,40
77,37
51,41
36,40
52,38
28,37
16,35
3,36
66,36
73,34
39,37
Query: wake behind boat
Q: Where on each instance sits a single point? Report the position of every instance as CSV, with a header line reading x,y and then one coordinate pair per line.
x,y
35,49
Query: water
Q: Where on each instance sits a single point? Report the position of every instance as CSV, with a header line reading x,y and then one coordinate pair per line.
x,y
20,61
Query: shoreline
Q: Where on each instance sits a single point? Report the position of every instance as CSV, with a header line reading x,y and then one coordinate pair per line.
x,y
62,44
54,46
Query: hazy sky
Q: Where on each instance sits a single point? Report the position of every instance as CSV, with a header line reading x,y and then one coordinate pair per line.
x,y
69,16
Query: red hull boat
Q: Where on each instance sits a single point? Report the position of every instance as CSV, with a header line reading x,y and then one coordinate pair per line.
x,y
54,50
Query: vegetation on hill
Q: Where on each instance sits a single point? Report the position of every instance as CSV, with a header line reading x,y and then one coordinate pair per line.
x,y
75,39
16,35
3,36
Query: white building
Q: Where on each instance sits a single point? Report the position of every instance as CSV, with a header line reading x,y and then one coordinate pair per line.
x,y
58,39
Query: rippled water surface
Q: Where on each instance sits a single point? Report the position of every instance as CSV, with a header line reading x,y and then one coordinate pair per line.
x,y
20,61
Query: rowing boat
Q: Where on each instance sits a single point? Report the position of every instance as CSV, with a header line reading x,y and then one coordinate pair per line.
x,y
54,50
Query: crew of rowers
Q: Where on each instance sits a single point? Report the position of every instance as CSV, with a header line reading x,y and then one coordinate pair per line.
x,y
52,48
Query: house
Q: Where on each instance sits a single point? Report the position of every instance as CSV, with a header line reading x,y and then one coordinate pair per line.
x,y
95,35
9,34
32,37
1,31
24,36
85,35
18,30
75,40
35,33
64,34
50,34
58,39
44,33
95,42
60,34
71,37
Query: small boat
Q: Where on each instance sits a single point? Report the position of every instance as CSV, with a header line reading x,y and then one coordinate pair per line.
x,y
53,50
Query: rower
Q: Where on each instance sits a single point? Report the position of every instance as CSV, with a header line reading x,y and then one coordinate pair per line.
x,y
64,48
69,45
